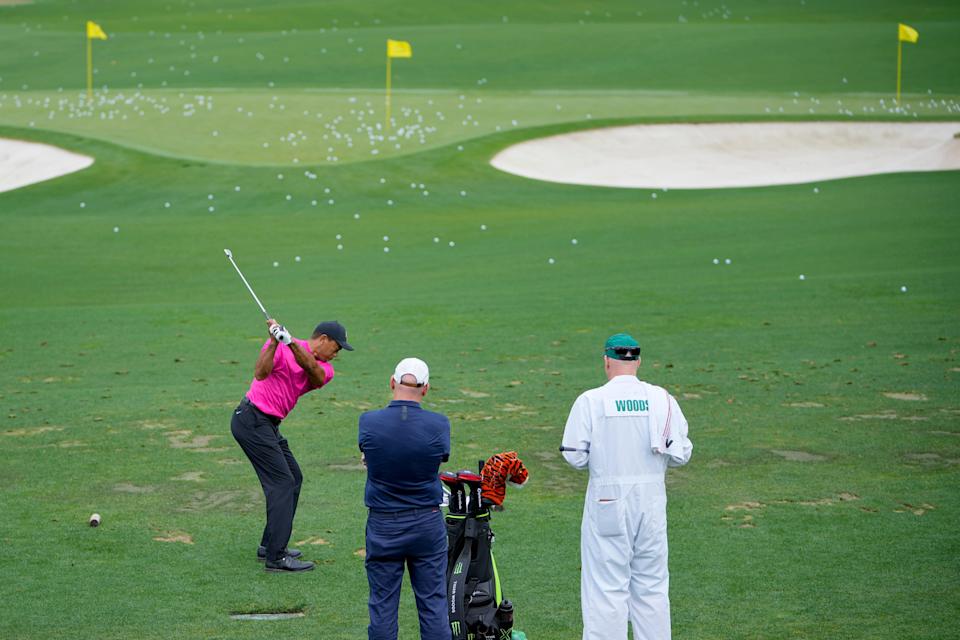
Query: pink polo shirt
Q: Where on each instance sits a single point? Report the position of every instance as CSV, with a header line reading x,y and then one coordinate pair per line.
x,y
278,392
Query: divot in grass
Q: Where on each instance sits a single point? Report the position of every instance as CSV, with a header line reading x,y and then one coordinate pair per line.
x,y
896,395
175,536
798,456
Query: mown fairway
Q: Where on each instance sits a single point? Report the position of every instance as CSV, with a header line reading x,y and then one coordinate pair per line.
x,y
822,498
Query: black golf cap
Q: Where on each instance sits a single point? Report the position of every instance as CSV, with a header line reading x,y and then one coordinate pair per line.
x,y
333,329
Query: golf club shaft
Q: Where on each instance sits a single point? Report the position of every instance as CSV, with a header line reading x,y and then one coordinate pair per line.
x,y
249,288
574,449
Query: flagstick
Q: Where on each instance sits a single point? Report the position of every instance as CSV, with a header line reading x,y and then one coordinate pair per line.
x,y
899,65
89,68
386,124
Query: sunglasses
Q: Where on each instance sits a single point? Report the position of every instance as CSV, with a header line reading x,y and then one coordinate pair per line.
x,y
626,353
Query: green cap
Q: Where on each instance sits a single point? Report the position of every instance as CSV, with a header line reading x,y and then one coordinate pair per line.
x,y
621,346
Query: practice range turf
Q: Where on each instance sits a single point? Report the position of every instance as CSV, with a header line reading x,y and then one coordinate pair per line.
x,y
822,498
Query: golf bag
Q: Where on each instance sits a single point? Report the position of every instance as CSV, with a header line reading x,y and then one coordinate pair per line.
x,y
475,602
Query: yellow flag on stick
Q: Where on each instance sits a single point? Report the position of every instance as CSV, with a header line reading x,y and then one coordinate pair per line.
x,y
395,49
904,34
94,31
907,34
399,49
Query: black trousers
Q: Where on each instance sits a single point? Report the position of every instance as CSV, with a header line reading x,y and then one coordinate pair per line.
x,y
258,434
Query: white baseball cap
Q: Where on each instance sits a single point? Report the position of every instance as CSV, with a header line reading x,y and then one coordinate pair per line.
x,y
414,367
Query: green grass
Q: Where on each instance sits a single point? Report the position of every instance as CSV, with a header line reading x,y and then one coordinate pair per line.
x,y
124,353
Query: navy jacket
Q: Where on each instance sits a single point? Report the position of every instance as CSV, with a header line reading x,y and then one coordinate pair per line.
x,y
404,446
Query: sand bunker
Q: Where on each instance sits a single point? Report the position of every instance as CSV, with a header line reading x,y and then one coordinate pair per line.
x,y
25,163
711,156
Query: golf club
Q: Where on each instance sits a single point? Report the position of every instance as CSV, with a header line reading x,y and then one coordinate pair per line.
x,y
574,449
281,334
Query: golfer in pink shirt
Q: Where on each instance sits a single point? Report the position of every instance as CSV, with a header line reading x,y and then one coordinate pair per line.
x,y
286,369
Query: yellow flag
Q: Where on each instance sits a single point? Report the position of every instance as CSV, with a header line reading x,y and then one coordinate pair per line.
x,y
399,49
94,31
907,34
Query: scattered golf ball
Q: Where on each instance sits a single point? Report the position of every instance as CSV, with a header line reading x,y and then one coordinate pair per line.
x,y
339,247
236,188
803,277
276,264
716,261
83,204
483,227
903,289
211,209
452,243
727,261
166,205
390,203
653,195
573,241
356,216
436,239
386,238
816,189
339,237
289,197
550,260
279,176
463,194
386,249
209,196
296,259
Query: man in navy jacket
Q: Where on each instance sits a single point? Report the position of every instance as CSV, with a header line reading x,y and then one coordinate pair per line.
x,y
403,446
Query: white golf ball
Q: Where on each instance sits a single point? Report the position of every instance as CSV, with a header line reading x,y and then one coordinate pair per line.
x,y
386,238
436,239
289,197
716,261
550,260
816,189
803,277
166,205
236,188
727,261
452,243
653,195
573,241
386,249
483,227
339,247
296,259
356,216
339,237
211,209
390,203
463,194
903,289
279,176
83,205
117,230
276,264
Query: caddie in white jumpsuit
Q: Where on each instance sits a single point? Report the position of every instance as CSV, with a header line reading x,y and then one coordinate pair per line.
x,y
627,433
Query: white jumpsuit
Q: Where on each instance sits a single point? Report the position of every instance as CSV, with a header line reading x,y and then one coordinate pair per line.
x,y
629,433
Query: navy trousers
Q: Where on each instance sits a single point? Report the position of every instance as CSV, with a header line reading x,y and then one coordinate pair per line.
x,y
258,434
417,539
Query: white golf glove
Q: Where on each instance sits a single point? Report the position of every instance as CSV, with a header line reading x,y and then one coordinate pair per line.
x,y
280,334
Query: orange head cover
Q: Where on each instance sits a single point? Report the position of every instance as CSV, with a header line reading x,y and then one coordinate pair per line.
x,y
499,469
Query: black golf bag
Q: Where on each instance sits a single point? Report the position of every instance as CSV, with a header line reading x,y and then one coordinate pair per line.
x,y
475,603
